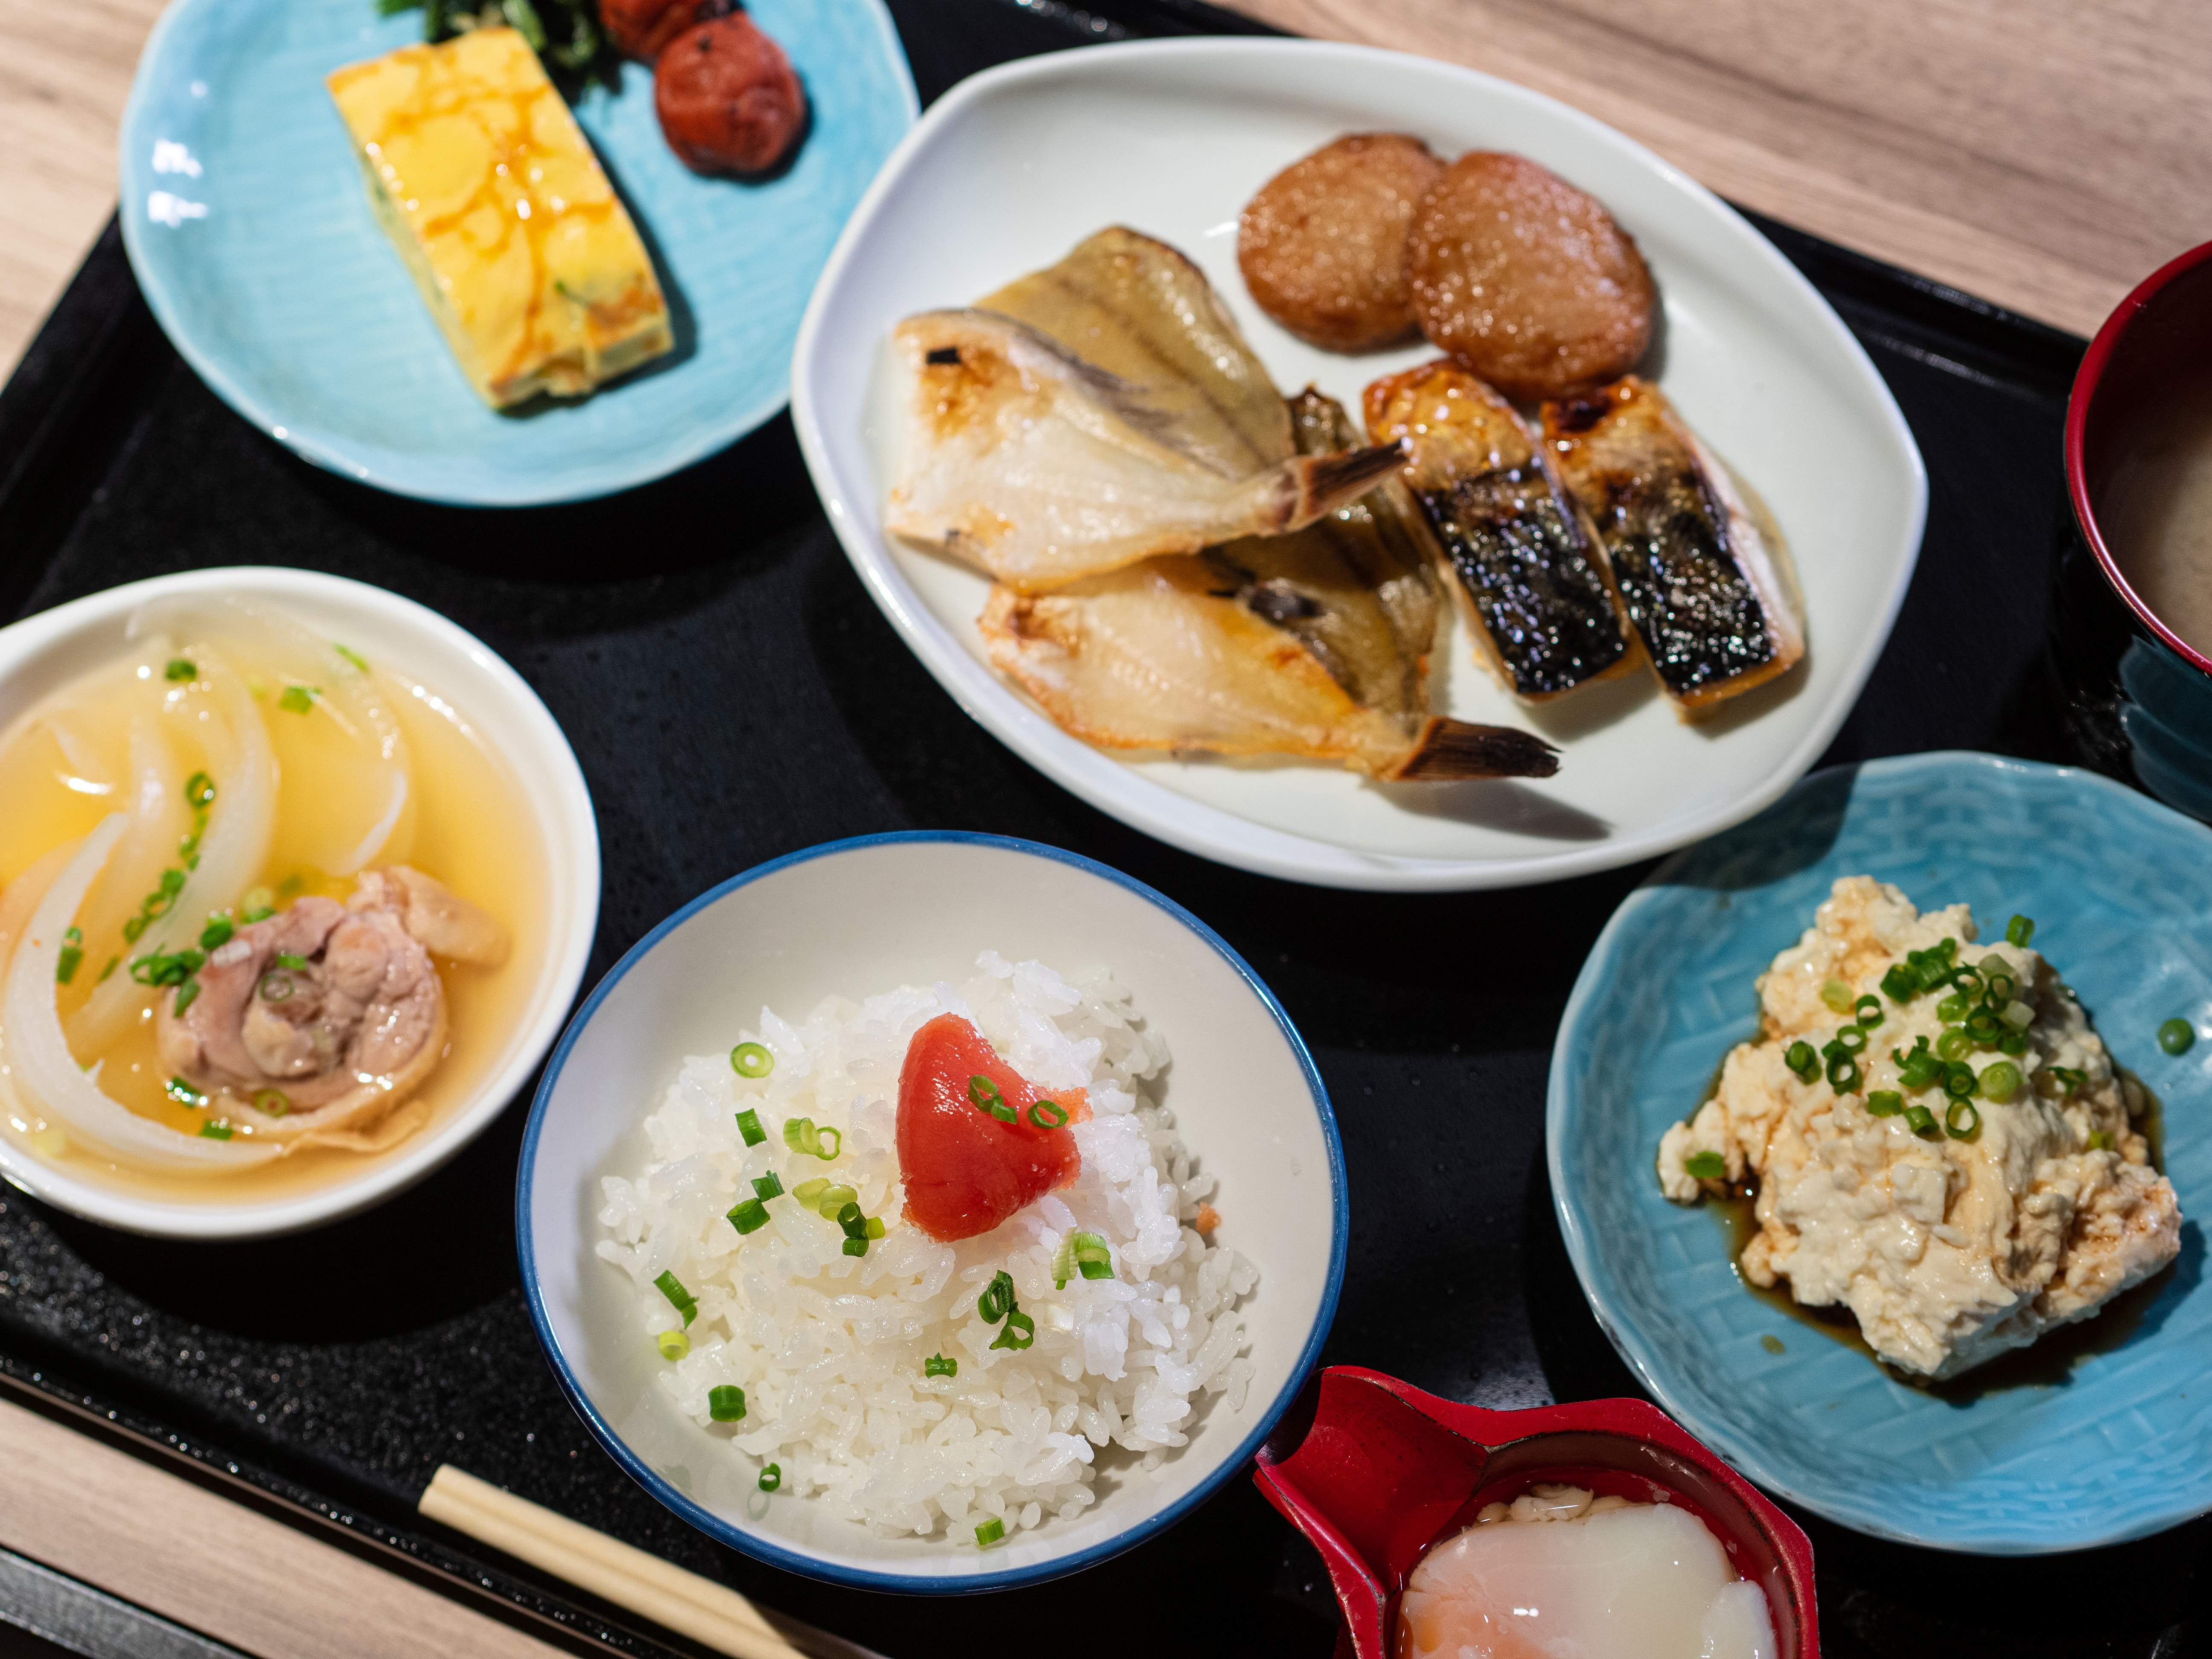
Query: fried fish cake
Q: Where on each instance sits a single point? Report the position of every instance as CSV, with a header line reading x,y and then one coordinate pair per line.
x,y
1527,280
1323,245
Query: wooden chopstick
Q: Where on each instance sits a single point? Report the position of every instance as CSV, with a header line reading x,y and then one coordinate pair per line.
x,y
710,1613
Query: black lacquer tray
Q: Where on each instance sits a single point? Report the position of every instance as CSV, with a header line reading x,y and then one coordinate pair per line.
x,y
733,695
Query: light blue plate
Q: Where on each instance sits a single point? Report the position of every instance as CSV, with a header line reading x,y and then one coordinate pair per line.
x,y
2121,891
244,214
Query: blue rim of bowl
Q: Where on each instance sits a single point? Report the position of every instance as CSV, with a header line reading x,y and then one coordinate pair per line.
x,y
333,454
859,1578
1629,1343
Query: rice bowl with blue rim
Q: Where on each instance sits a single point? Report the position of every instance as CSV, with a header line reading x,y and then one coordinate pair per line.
x,y
1020,1460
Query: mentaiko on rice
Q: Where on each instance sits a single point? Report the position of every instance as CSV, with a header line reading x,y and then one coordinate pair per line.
x,y
801,1302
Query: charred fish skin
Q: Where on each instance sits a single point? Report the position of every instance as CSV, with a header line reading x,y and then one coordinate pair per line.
x,y
1700,583
1534,577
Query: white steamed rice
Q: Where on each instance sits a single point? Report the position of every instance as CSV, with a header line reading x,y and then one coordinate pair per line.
x,y
830,1348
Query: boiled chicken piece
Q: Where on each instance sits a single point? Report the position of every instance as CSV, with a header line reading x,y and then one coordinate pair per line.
x,y
326,1018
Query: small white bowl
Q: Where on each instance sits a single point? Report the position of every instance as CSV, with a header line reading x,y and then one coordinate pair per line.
x,y
857,917
43,652
1014,167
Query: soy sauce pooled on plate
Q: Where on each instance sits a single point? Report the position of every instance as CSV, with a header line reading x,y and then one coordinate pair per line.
x,y
1561,1573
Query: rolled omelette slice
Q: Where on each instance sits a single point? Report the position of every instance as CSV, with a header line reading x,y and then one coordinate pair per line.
x,y
521,247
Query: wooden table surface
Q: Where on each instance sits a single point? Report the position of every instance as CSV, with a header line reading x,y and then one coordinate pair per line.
x,y
2038,153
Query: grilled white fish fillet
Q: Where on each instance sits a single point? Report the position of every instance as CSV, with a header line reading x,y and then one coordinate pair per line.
x,y
1023,459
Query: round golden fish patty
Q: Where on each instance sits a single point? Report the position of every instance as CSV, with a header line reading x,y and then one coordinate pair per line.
x,y
1323,245
1527,280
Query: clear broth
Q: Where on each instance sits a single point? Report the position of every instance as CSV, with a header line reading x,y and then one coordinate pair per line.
x,y
466,824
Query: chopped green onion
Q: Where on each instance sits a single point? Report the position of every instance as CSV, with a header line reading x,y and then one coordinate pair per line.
x,y
1800,1059
752,1060
2069,1078
801,1136
1850,1039
1900,983
1952,1009
748,1127
749,1217
1092,1259
1885,1103
217,933
1963,1119
182,668
299,699
2003,984
271,1102
679,1298
199,791
2018,1015
673,1345
1959,1081
1703,1166
216,1129
855,1224
771,1477
258,904
875,1227
275,987
2014,1043
184,1094
187,993
768,1186
1868,1010
807,1191
938,1366
72,953
2175,1036
998,1298
984,1094
2001,1082
830,1201
1020,1330
726,1403
113,963
352,656
1920,1120
1837,995
1844,1075
1967,980
852,1246
287,959
2018,931
2101,1140
1058,1120
1985,1027
1955,1044
990,1531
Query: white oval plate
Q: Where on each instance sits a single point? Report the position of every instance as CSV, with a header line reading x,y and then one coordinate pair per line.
x,y
1015,166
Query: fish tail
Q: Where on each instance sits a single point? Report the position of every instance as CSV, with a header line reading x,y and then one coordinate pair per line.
x,y
1319,484
1448,749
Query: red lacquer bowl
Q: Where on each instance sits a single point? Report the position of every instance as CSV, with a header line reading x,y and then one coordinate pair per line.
x,y
1381,1472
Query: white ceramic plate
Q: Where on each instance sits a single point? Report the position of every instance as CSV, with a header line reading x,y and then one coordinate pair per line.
x,y
853,918
1016,166
44,652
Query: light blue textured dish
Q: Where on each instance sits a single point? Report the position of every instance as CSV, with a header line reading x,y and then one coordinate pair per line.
x,y
2121,891
245,217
